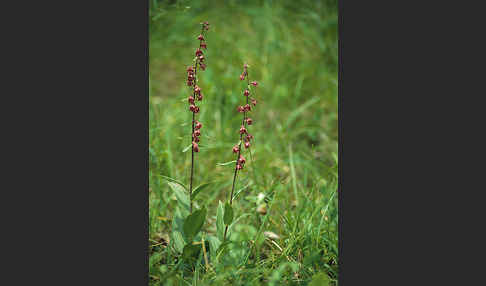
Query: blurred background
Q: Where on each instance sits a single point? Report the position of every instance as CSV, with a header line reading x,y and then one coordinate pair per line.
x,y
292,50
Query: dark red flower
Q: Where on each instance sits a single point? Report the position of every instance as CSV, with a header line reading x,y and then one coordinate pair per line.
x,y
241,109
189,83
197,90
247,107
242,130
254,83
200,38
190,99
241,160
247,92
247,144
198,52
236,149
195,138
200,96
196,109
195,147
249,121
203,45
239,167
192,107
203,66
190,69
242,76
253,101
197,133
198,125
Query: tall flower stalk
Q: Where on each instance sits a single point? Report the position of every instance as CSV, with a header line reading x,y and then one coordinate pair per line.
x,y
196,96
245,136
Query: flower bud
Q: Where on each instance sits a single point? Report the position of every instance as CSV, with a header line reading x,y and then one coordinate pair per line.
x,y
236,149
242,130
247,92
249,121
198,125
190,99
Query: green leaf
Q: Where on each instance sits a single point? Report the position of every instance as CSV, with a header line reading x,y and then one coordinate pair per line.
x,y
173,180
199,189
177,228
239,191
228,214
191,251
320,279
227,163
181,195
219,221
214,244
187,148
194,223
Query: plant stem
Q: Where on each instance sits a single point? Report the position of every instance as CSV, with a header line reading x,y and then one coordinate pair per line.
x,y
237,158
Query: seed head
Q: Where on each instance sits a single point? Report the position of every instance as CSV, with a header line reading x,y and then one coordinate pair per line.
x,y
198,125
249,121
190,99
243,130
195,147
247,92
236,149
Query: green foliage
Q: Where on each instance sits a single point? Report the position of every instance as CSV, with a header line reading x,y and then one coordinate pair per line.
x,y
289,183
193,223
228,214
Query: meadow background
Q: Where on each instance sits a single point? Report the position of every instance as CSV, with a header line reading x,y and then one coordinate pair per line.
x,y
291,179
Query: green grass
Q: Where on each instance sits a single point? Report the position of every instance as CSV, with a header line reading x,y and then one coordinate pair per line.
x,y
292,50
